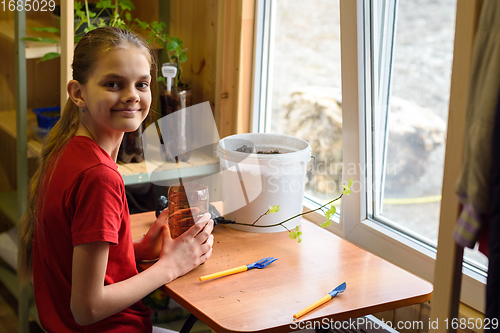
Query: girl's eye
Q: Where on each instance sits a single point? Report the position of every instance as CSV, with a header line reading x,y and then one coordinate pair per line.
x,y
143,85
111,85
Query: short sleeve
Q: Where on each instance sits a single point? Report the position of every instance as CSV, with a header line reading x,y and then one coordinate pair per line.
x,y
98,206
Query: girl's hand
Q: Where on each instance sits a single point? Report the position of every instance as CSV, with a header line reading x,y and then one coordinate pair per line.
x,y
149,246
189,250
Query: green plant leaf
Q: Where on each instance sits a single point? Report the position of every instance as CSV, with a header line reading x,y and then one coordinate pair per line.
x,y
157,26
160,26
273,209
120,23
128,16
142,24
46,29
41,39
182,57
49,56
346,190
292,234
299,239
326,224
350,183
104,4
172,46
329,213
127,5
81,14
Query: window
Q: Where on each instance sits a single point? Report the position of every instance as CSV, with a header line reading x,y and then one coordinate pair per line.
x,y
301,90
396,63
410,89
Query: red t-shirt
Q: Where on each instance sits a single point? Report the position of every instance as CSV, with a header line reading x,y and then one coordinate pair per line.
x,y
84,202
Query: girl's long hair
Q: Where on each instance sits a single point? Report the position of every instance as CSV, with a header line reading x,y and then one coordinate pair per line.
x,y
86,54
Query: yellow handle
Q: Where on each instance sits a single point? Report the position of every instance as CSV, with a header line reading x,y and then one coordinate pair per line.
x,y
224,273
324,299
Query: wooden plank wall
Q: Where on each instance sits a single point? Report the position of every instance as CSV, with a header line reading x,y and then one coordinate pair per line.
x,y
246,67
43,79
7,101
7,69
227,75
219,38
195,23
7,76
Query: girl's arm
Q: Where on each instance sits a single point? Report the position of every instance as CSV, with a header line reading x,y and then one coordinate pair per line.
x,y
92,301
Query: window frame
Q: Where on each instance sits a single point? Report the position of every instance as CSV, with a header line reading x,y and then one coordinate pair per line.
x,y
353,224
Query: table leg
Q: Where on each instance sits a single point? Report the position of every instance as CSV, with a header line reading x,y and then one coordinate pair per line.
x,y
188,325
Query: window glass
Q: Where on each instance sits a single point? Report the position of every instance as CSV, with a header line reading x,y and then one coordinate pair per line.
x,y
413,53
304,86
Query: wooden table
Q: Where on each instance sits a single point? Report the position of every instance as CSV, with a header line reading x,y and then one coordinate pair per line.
x,y
264,300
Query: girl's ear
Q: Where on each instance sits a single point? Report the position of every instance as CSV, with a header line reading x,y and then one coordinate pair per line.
x,y
75,93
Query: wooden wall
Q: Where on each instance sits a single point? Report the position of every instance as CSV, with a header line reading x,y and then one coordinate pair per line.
x,y
219,39
195,23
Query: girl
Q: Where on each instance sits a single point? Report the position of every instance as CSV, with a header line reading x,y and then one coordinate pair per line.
x,y
75,237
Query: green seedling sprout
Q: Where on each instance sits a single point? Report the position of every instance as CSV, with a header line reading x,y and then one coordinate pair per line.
x,y
295,233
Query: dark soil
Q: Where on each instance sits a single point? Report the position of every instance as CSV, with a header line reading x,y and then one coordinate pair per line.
x,y
249,150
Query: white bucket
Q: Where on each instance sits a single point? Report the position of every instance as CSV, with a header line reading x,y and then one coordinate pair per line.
x,y
251,182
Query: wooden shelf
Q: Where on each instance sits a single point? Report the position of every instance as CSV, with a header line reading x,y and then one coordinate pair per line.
x,y
34,50
199,164
8,125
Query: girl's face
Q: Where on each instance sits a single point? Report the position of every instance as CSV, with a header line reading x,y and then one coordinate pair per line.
x,y
117,94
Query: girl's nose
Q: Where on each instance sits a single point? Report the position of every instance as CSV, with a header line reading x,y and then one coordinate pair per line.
x,y
131,96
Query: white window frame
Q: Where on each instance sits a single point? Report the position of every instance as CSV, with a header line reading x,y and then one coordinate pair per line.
x,y
353,223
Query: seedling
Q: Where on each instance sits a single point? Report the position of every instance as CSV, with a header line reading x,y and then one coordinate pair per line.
x,y
295,233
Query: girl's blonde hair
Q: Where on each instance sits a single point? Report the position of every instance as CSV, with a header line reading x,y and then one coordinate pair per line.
x,y
86,54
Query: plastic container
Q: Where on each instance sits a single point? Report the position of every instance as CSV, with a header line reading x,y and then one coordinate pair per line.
x,y
47,117
252,182
180,200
